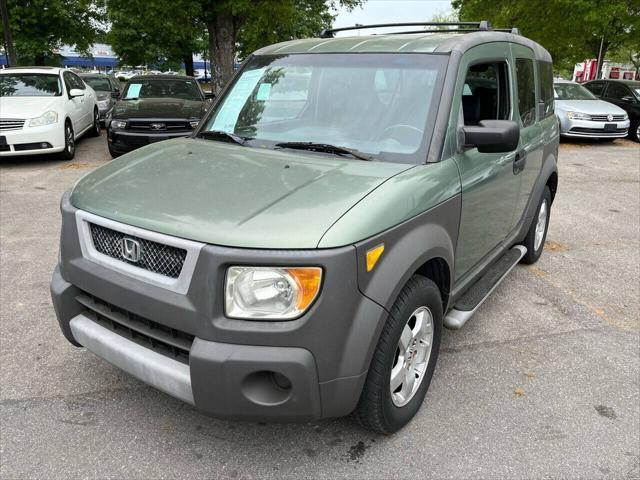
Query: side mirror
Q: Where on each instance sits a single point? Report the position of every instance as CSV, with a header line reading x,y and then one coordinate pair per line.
x,y
115,94
76,92
627,98
209,95
492,136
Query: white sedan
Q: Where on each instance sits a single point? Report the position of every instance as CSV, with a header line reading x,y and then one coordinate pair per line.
x,y
44,110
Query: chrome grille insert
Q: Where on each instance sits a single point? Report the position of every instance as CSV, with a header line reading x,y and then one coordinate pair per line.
x,y
155,257
11,124
603,118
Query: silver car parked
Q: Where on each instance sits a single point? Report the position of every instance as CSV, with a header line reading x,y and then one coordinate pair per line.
x,y
582,114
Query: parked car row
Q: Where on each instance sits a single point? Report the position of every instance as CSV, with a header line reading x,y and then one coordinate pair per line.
x,y
46,109
582,112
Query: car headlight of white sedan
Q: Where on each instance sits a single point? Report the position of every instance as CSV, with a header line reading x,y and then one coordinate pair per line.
x,y
45,119
578,116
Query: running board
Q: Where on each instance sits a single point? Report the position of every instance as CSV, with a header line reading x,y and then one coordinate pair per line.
x,y
467,305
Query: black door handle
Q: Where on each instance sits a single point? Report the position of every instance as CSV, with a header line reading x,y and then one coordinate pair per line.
x,y
519,162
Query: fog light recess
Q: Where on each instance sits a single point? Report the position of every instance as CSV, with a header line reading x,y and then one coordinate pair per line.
x,y
267,388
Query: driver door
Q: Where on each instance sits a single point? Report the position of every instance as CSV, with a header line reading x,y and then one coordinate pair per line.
x,y
74,106
485,91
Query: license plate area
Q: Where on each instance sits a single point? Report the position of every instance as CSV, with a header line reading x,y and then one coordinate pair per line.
x,y
610,127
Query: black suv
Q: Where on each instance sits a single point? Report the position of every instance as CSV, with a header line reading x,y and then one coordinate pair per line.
x,y
623,93
154,108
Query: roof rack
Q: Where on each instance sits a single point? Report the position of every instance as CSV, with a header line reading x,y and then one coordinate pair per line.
x,y
463,27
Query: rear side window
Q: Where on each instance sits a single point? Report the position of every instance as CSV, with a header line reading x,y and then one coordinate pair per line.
x,y
546,87
526,91
596,88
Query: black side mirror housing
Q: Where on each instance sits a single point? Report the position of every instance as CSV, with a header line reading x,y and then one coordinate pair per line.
x,y
492,136
209,95
115,94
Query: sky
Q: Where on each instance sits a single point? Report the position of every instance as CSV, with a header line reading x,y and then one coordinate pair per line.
x,y
392,11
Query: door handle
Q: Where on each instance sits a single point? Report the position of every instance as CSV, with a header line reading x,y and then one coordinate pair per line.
x,y
519,162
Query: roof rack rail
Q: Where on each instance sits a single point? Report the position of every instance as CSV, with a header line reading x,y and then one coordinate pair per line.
x,y
466,27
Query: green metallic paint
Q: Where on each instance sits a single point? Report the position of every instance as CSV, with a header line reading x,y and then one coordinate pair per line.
x,y
230,195
398,199
407,43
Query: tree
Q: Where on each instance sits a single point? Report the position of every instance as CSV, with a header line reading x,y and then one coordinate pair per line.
x,y
570,29
256,23
9,48
40,27
155,32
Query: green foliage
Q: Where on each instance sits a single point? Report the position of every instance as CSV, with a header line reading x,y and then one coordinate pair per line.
x,y
570,29
39,27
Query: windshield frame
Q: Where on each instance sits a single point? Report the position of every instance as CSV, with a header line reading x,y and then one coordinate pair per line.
x,y
61,88
419,157
582,87
125,90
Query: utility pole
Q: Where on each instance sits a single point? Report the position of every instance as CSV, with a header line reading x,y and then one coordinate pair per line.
x,y
9,49
599,61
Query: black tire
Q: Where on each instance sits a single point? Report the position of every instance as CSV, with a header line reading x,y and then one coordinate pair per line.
x,y
95,128
69,143
634,132
376,410
113,153
533,253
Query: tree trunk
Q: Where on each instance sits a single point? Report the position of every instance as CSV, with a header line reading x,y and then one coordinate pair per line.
x,y
8,38
188,64
222,46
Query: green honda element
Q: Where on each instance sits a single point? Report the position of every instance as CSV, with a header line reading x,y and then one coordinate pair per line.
x,y
342,201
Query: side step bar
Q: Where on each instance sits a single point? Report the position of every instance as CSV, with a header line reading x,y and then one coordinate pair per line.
x,y
469,303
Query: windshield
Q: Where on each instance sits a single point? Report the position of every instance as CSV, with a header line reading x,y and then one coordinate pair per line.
x,y
99,84
162,88
572,91
382,105
29,85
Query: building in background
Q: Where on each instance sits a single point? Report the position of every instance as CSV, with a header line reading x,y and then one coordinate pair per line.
x,y
585,71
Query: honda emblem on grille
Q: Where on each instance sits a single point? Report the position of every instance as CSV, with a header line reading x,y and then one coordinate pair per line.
x,y
157,126
130,249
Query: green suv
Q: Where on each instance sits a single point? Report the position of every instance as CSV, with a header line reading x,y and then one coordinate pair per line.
x,y
342,201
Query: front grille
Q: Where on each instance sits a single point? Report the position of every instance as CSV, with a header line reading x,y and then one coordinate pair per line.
x,y
169,125
154,257
603,118
11,124
167,341
598,131
5,148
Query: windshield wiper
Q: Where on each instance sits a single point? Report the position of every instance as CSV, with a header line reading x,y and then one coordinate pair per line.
x,y
222,135
324,147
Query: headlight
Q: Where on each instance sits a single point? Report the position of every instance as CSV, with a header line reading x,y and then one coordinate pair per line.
x,y
118,124
46,119
270,293
194,124
625,117
578,116
103,104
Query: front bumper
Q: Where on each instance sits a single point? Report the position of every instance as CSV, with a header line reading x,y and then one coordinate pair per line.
x,y
299,370
591,129
123,141
32,140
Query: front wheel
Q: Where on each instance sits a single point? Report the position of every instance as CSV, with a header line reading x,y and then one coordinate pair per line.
x,y
537,234
404,360
95,128
69,143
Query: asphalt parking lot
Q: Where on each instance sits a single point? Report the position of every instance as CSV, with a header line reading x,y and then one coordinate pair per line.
x,y
543,383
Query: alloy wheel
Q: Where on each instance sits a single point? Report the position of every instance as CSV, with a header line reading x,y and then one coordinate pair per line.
x,y
412,356
541,225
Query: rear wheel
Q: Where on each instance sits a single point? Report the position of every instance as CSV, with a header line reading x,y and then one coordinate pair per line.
x,y
537,234
69,143
404,360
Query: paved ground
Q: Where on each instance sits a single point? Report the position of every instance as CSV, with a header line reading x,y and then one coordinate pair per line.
x,y
542,383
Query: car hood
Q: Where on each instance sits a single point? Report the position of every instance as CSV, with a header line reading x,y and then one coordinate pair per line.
x,y
588,106
27,107
230,195
159,108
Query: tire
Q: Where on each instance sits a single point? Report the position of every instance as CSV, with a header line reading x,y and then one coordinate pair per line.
x,y
112,152
536,246
69,143
634,132
95,128
379,409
